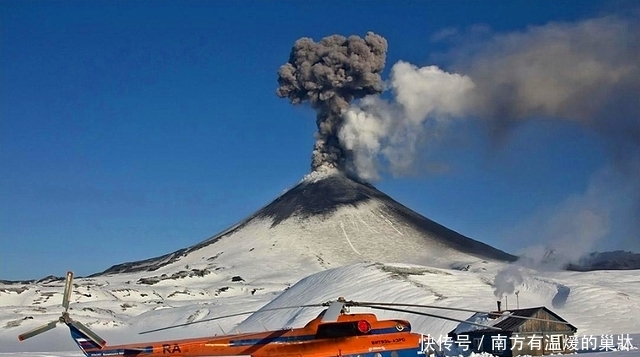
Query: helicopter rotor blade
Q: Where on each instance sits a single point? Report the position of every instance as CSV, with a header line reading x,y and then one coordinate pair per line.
x,y
334,310
504,313
510,315
67,291
38,330
88,332
231,315
432,315
367,304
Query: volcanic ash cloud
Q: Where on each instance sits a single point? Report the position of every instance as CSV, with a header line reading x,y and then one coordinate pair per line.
x,y
584,72
330,74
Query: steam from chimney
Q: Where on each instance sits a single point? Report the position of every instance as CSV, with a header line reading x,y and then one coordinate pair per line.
x,y
507,280
329,75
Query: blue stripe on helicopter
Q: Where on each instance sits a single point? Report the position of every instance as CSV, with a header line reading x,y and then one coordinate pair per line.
x,y
120,352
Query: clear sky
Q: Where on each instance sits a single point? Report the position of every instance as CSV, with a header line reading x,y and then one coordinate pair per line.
x,y
132,129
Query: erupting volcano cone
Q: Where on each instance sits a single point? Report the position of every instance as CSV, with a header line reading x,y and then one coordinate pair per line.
x,y
326,221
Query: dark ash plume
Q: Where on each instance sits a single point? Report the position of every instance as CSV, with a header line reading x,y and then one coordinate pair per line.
x,y
329,75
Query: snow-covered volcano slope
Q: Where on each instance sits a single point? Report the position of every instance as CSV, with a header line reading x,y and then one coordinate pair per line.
x,y
325,221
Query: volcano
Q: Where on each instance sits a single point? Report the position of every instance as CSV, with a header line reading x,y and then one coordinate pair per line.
x,y
326,237
328,220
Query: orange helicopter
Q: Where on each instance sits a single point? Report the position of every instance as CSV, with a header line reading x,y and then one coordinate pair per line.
x,y
333,333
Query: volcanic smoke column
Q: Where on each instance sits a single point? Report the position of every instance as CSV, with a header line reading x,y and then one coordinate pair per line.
x,y
329,75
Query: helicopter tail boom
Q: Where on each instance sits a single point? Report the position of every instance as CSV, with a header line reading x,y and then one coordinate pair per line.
x,y
83,340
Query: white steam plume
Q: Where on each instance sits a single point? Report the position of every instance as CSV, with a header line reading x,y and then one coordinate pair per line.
x,y
587,72
425,98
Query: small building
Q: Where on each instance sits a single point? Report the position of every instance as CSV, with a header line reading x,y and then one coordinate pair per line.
x,y
534,331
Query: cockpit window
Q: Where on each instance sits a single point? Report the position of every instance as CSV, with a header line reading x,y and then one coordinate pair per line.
x,y
340,329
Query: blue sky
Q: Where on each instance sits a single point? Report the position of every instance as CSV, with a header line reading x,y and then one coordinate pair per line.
x,y
132,129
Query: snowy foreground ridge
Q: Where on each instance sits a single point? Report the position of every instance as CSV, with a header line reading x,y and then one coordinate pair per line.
x,y
119,306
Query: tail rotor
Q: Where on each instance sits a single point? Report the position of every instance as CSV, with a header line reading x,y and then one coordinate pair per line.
x,y
66,319
38,330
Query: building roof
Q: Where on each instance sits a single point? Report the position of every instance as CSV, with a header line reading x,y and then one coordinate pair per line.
x,y
505,322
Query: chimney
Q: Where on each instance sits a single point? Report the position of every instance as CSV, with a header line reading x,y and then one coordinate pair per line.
x,y
499,303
